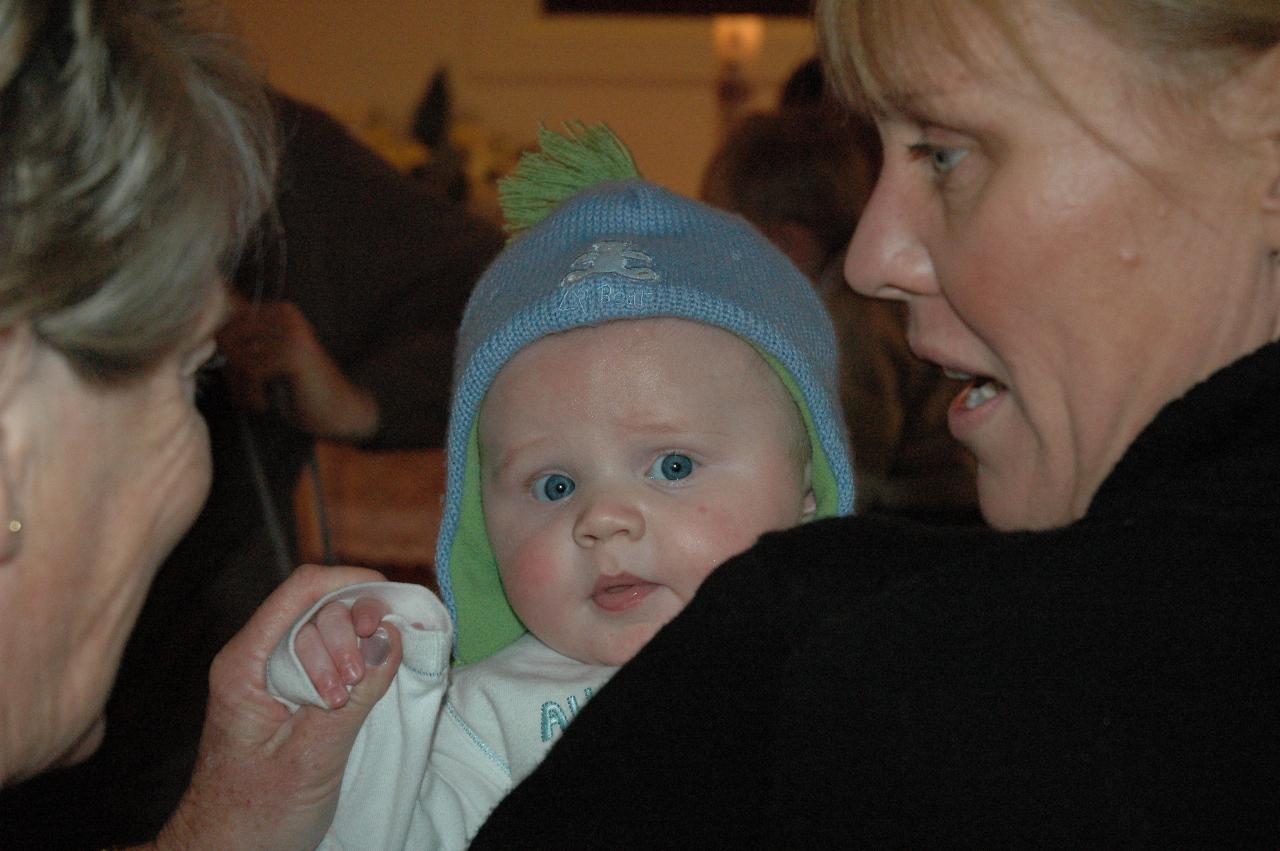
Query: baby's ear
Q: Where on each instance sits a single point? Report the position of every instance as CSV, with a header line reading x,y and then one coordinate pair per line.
x,y
810,505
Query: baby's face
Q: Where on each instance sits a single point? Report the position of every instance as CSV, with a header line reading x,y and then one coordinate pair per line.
x,y
620,464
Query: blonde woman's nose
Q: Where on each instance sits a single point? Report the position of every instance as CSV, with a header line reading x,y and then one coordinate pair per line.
x,y
886,257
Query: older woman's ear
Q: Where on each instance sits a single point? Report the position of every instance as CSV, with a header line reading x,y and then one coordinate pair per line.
x,y
17,345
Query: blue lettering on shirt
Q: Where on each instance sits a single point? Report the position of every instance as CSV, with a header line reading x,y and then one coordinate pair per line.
x,y
554,716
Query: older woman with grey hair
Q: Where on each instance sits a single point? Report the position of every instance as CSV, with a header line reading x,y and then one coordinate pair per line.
x,y
136,152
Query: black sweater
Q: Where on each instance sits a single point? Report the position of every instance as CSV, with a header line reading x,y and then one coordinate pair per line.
x,y
1115,682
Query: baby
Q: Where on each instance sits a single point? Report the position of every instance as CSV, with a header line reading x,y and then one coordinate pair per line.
x,y
644,387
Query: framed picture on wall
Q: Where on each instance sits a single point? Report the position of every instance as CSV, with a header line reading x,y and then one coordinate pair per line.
x,y
790,8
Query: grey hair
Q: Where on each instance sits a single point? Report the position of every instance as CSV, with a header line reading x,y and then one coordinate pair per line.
x,y
137,152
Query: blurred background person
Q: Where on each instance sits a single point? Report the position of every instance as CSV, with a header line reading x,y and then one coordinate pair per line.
x,y
341,327
802,174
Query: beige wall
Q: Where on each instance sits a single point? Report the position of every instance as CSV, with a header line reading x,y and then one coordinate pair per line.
x,y
651,79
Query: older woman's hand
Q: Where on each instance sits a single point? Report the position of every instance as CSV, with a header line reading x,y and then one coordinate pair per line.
x,y
267,778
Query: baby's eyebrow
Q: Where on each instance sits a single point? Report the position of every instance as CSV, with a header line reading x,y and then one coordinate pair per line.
x,y
656,426
509,456
651,419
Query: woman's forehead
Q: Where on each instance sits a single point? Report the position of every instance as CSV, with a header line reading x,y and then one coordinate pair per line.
x,y
890,54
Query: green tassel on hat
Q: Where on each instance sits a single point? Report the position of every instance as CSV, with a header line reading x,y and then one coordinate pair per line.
x,y
568,163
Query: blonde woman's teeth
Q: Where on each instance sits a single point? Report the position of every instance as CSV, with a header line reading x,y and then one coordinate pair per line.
x,y
980,390
981,393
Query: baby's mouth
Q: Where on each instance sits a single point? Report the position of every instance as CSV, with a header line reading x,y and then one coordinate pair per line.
x,y
980,389
616,593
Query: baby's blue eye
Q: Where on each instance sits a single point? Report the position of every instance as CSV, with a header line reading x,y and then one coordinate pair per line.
x,y
552,487
671,467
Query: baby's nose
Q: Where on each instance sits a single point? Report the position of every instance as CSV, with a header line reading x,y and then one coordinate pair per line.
x,y
605,519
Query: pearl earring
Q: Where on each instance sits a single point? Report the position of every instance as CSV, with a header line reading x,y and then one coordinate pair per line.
x,y
10,544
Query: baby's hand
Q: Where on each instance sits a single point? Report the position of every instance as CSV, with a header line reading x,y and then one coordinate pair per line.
x,y
339,642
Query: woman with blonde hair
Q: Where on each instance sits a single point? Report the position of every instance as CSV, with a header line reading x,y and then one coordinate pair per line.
x,y
136,152
1080,207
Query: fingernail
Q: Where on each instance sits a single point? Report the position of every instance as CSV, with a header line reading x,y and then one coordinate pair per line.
x,y
335,693
376,648
352,673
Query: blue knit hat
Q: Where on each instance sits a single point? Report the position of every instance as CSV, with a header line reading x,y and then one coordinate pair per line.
x,y
625,250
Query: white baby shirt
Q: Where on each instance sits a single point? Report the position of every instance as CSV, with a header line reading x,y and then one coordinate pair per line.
x,y
442,747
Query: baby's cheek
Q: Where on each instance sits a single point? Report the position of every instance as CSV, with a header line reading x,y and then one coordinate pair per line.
x,y
718,536
531,577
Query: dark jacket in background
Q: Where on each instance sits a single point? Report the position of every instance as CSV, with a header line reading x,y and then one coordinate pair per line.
x,y
855,683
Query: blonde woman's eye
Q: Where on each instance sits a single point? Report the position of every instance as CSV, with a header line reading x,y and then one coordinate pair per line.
x,y
941,158
553,487
671,467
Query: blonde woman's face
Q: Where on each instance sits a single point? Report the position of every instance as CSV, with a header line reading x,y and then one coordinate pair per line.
x,y
1082,278
108,479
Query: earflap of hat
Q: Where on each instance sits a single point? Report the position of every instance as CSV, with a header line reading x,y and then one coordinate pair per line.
x,y
826,492
477,598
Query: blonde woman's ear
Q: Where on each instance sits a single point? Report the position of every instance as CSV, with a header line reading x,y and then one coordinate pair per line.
x,y
1246,109
1262,82
1271,202
1271,210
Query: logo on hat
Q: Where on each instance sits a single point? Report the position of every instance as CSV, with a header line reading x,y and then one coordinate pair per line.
x,y
611,258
